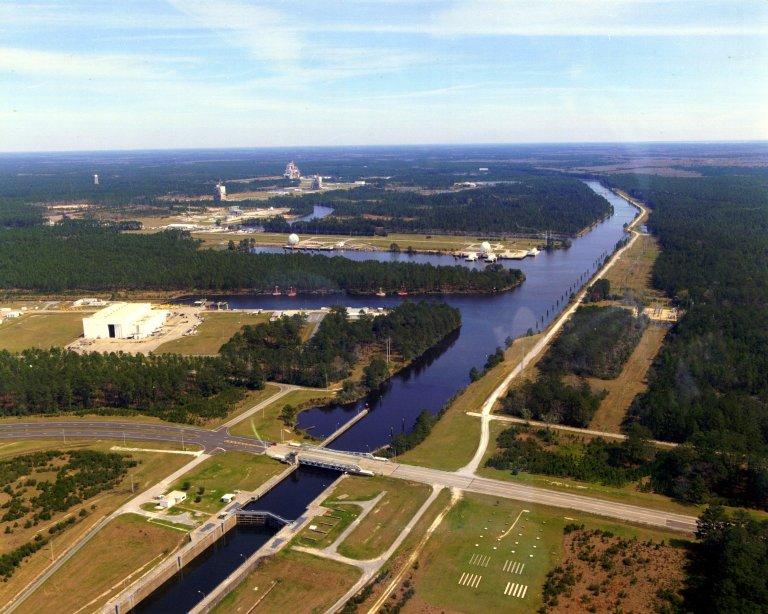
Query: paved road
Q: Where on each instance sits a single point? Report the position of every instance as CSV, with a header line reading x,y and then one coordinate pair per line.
x,y
221,440
136,431
485,412
512,490
570,429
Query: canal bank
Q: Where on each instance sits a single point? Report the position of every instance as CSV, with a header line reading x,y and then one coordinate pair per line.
x,y
551,280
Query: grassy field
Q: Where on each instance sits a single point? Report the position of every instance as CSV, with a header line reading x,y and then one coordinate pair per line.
x,y
100,570
153,466
630,382
291,582
328,525
448,243
217,328
41,330
225,473
266,424
484,536
631,274
454,439
383,523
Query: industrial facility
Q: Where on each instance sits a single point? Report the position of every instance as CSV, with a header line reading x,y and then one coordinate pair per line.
x,y
219,192
292,171
124,321
317,182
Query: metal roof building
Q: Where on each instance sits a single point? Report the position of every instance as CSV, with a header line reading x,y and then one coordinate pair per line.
x,y
124,321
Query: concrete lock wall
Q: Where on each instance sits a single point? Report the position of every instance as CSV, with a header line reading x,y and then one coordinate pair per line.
x,y
155,578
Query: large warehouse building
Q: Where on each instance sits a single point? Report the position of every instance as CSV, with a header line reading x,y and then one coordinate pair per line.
x,y
124,321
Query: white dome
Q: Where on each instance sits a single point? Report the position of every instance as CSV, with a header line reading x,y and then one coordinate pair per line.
x,y
293,239
486,247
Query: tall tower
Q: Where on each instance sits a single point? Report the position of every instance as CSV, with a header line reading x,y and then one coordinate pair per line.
x,y
96,179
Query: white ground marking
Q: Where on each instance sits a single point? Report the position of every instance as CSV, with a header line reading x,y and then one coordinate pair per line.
x,y
514,589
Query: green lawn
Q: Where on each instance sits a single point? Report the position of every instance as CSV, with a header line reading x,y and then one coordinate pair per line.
x,y
217,328
266,424
480,526
41,330
225,473
291,582
381,526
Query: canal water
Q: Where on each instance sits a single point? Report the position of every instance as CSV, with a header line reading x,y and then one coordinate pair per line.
x,y
427,384
289,499
487,321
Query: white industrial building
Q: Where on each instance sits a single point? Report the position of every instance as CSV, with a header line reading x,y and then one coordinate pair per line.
x,y
124,321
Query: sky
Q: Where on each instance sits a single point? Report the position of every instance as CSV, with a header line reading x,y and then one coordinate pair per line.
x,y
156,74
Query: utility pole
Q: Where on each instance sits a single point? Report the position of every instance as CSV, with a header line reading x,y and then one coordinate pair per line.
x,y
389,340
182,440
50,543
64,435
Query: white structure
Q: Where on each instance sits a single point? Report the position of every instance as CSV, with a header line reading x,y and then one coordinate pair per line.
x,y
219,192
485,246
124,321
227,498
317,182
172,498
89,302
293,239
95,180
292,171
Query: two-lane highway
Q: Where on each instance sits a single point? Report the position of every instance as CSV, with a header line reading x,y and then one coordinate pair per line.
x,y
212,441
130,431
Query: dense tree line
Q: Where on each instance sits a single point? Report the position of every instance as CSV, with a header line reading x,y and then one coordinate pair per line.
x,y
275,350
17,214
614,464
89,256
528,203
548,398
169,386
728,564
195,389
709,383
594,342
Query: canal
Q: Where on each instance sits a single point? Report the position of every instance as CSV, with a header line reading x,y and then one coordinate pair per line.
x,y
427,384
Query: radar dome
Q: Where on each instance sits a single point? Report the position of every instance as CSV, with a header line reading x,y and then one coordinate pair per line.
x,y
293,239
486,247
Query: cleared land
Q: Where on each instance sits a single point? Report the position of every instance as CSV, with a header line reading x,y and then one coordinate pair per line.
x,y
216,329
455,437
404,241
100,570
383,523
41,330
475,556
630,383
266,424
602,572
289,582
630,275
224,473
153,467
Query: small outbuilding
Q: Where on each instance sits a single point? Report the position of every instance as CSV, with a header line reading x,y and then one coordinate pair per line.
x,y
172,498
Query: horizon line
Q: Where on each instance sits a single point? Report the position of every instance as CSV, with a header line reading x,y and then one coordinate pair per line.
x,y
382,145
